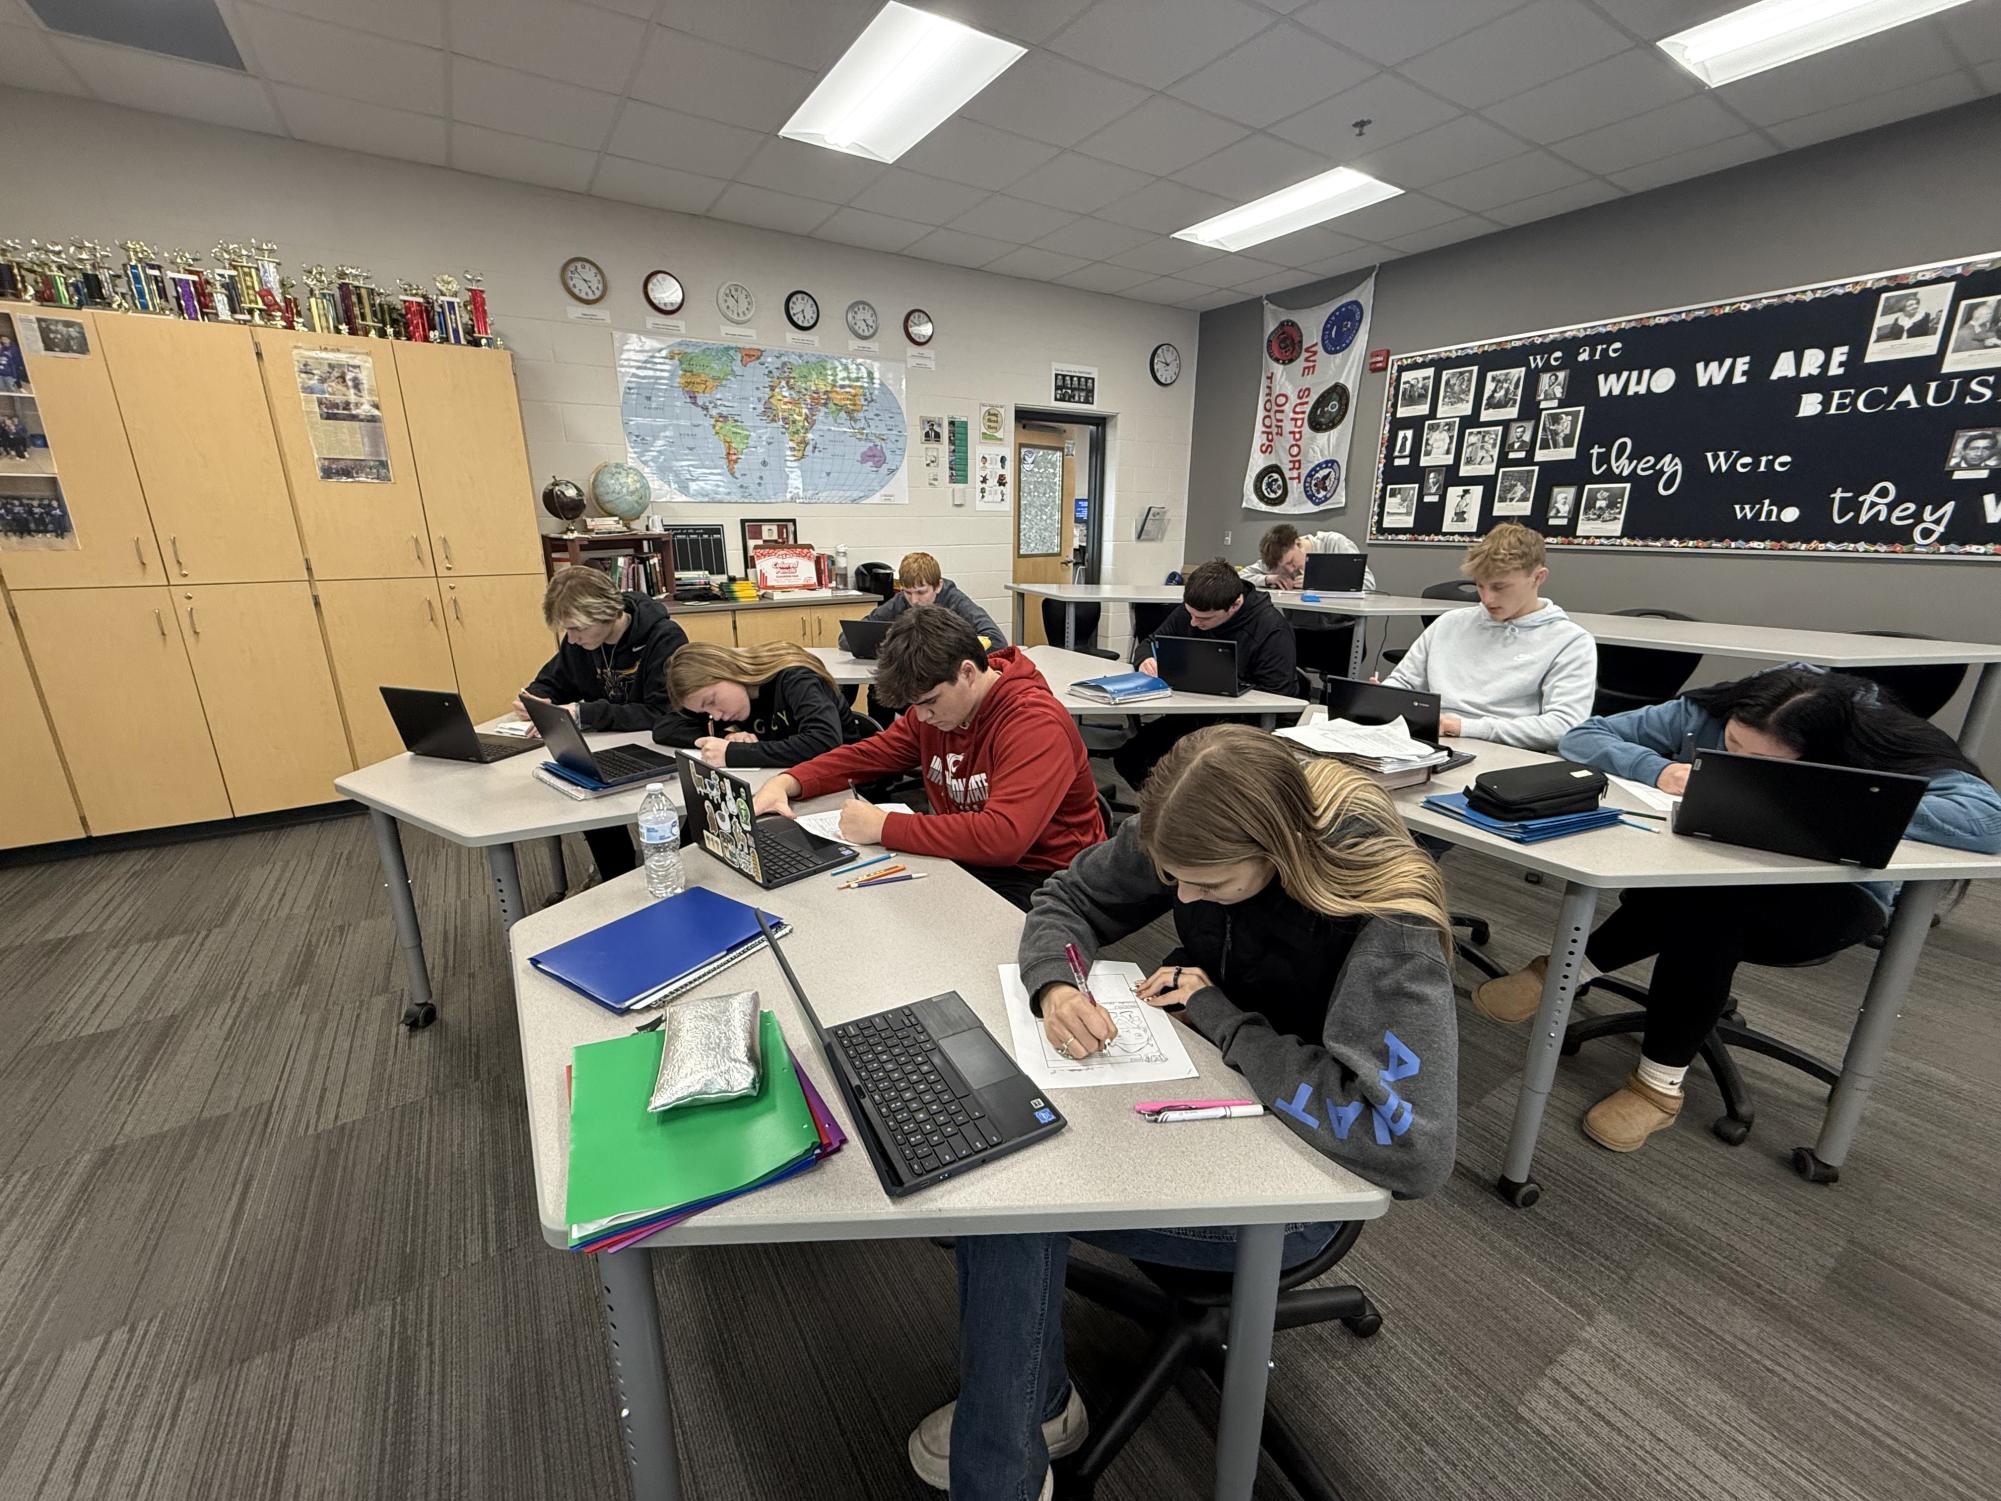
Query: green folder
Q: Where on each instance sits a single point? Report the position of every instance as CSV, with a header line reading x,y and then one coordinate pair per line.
x,y
628,1162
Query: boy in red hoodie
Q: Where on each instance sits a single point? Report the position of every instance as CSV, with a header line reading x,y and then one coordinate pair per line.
x,y
1002,762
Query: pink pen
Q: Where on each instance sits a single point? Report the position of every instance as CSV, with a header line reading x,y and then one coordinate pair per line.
x,y
1083,975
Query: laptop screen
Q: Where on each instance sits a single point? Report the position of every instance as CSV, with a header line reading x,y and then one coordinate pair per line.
x,y
1373,703
1191,664
1336,572
719,811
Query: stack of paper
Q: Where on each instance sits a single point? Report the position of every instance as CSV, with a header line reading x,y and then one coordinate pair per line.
x,y
1386,751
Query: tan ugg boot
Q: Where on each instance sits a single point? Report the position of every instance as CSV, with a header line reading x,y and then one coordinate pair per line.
x,y
1516,997
1625,1118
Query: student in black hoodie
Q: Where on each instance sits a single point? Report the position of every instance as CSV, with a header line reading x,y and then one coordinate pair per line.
x,y
1216,604
771,705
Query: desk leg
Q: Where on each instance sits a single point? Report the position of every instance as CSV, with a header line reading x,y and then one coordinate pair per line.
x,y
1889,983
1247,1367
554,845
1559,987
1358,645
639,1369
1020,637
418,1011
1980,712
1070,625
506,884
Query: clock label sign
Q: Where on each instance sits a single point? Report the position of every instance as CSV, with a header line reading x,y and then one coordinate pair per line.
x,y
738,334
589,315
923,359
864,346
803,341
668,325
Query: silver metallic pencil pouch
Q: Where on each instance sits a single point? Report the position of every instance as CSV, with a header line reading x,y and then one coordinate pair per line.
x,y
709,1051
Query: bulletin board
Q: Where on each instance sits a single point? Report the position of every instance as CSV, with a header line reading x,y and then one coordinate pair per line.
x,y
1857,417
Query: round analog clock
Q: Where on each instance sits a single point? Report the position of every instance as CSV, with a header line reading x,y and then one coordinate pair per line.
x,y
802,310
1165,363
664,293
583,279
735,302
918,327
862,319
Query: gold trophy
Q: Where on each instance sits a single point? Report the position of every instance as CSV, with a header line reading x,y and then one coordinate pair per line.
x,y
189,292
13,271
144,278
322,308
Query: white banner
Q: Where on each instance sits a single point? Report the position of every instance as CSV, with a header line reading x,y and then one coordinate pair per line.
x,y
1306,397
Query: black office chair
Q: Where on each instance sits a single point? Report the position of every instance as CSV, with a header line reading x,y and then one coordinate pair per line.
x,y
1087,627
1326,648
1189,1314
1149,618
878,579
1635,677
1460,589
1924,690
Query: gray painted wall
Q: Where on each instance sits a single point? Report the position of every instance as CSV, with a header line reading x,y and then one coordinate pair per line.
x,y
1892,197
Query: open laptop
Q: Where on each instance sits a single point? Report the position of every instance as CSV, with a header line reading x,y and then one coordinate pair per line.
x,y
1806,808
864,637
1373,703
772,851
1198,664
433,723
612,767
1335,572
930,1091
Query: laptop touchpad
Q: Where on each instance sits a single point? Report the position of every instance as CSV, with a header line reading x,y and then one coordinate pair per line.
x,y
978,1058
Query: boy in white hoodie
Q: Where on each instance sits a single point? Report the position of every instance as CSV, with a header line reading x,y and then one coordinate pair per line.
x,y
1516,669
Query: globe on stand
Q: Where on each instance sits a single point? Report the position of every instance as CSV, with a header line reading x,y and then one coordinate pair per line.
x,y
621,490
564,499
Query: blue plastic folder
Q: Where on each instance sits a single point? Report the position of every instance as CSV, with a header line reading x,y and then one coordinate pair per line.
x,y
656,953
1122,688
1528,831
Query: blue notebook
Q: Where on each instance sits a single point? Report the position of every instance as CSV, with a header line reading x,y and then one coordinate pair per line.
x,y
1527,831
662,950
1121,688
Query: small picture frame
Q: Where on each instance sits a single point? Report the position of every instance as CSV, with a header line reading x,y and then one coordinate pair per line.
x,y
765,531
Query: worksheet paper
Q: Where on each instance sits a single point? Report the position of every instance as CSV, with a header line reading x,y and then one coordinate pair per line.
x,y
828,824
1148,1047
1651,797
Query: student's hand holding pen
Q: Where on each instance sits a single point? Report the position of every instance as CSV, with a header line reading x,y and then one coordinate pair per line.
x,y
1076,1025
861,820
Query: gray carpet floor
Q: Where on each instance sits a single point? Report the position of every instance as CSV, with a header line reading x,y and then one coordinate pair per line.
x,y
257,1241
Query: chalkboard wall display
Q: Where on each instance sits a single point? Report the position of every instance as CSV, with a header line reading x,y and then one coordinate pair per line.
x,y
1860,416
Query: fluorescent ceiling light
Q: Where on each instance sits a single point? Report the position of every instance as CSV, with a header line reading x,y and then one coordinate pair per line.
x,y
1327,196
1774,32
902,78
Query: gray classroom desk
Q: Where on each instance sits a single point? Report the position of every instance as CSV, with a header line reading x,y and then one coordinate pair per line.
x,y
1252,1174
1622,857
1073,595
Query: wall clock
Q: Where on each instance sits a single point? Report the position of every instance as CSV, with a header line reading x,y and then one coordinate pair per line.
x,y
862,319
663,292
802,310
918,327
735,302
583,279
1165,363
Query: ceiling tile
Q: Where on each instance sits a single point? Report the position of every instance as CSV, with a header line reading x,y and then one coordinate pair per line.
x,y
1234,271
1270,76
1305,246
1253,167
654,185
580,44
685,73
903,194
521,104
1528,47
145,80
1990,76
1165,207
1685,164
1446,151
1354,260
1012,219
743,204
1452,232
1874,65
1389,33
967,151
1865,114
807,36
1154,42
1562,201
495,153
420,21
641,8
809,171
349,64
1094,239
1974,32
1161,256
667,138
1022,20
1035,264
1521,176
1209,300
958,248
1395,110
1284,281
1167,289
29,62
1162,135
853,226
1105,278
1649,137
1077,182
1625,84
362,127
1404,215
1049,98
1654,19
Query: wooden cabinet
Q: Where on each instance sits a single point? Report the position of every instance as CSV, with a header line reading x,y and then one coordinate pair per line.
x,y
122,699
774,623
100,486
269,698
802,625
498,639
36,806
351,529
465,428
383,631
823,626
718,626
200,432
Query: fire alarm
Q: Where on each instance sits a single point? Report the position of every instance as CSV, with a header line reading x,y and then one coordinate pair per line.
x,y
1379,359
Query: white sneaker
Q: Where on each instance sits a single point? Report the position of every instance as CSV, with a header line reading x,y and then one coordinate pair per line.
x,y
931,1442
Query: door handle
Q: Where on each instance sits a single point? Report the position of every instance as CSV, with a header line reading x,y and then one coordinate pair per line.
x,y
430,610
416,547
175,543
193,625
161,621
139,552
457,613
449,563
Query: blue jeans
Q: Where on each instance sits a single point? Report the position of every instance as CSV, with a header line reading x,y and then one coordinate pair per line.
x,y
1011,1375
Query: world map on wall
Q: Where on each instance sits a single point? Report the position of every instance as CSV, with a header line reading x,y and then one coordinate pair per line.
x,y
744,423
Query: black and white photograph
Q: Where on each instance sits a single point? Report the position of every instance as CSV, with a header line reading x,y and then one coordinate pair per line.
x,y
1520,439
1414,393
1455,391
1482,451
1909,321
1562,501
1400,505
1604,512
1557,437
1975,341
932,429
13,363
1975,450
1401,455
1550,386
1440,438
1462,508
24,447
34,517
1514,492
1504,393
1434,483
62,337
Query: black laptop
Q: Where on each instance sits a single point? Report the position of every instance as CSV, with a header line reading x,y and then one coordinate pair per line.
x,y
929,1090
864,637
772,851
613,767
1335,572
437,724
1374,703
1805,808
1198,664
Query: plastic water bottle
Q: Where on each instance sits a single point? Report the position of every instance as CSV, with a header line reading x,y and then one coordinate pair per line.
x,y
660,843
841,566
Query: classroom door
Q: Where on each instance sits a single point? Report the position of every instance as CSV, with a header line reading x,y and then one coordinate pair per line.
x,y
383,632
498,640
1044,484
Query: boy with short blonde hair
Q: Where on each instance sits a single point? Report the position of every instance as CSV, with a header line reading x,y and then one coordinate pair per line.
x,y
920,581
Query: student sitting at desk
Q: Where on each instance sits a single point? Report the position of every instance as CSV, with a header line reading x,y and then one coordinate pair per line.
x,y
1700,935
1282,554
770,705
1215,604
920,581
1313,952
1003,765
1516,669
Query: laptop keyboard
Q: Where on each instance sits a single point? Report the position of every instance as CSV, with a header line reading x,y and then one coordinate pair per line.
x,y
626,760
780,859
931,1119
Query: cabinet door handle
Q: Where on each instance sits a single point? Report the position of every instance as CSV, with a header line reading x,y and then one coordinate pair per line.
x,y
416,547
448,550
193,625
430,610
175,543
457,613
161,621
139,553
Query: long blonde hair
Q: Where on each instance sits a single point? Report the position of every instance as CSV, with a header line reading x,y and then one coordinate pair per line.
x,y
700,663
1230,793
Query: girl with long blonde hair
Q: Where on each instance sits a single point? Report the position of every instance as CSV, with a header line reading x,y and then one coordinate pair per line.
x,y
769,705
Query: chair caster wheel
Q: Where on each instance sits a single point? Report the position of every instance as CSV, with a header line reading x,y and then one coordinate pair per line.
x,y
1811,1168
1729,1129
419,1015
1521,1195
1479,933
1364,1325
1570,1049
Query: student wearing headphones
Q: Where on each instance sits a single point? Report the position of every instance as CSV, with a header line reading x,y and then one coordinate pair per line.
x,y
771,705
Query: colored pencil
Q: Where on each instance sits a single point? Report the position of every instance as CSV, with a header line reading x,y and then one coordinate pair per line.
x,y
848,870
874,875
917,875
